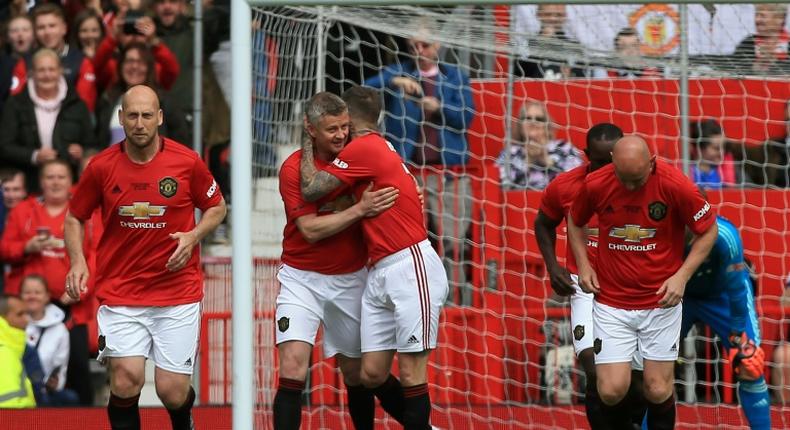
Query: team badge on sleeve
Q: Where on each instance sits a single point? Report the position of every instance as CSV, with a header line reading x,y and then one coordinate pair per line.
x,y
657,211
283,324
168,187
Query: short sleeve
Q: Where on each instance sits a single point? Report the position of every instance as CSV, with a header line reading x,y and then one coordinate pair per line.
x,y
295,205
695,212
582,208
87,195
550,202
350,166
204,189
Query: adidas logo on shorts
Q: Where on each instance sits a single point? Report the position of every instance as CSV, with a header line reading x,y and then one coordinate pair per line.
x,y
674,348
413,339
189,362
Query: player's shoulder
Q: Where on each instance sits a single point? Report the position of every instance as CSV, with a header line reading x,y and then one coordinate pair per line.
x,y
107,157
670,175
290,167
577,175
600,176
175,149
567,182
727,230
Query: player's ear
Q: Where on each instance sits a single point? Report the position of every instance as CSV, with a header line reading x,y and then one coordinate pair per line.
x,y
161,117
120,116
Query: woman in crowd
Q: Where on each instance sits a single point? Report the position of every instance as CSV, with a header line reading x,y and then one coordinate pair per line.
x,y
136,67
88,31
47,333
535,157
47,120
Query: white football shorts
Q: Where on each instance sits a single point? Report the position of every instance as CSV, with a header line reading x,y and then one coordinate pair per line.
x,y
581,317
622,333
308,299
168,335
404,296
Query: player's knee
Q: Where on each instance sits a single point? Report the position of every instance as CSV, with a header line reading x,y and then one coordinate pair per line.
x,y
173,394
611,394
126,382
351,368
293,364
373,376
657,390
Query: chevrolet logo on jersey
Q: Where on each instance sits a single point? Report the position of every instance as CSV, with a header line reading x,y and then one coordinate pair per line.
x,y
141,210
632,233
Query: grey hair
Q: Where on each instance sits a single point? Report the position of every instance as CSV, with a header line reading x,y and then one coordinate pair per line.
x,y
323,103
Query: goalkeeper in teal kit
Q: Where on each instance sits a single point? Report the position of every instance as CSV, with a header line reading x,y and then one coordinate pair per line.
x,y
720,294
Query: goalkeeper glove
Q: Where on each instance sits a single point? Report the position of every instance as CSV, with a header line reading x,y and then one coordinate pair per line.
x,y
747,358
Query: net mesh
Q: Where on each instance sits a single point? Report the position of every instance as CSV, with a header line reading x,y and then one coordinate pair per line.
x,y
503,359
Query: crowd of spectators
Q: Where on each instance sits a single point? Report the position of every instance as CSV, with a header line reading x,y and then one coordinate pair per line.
x,y
63,69
560,42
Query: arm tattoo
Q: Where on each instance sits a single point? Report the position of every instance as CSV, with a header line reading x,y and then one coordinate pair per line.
x,y
315,184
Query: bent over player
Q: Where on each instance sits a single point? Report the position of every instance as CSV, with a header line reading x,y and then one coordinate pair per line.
x,y
554,207
407,283
148,276
720,295
323,274
642,205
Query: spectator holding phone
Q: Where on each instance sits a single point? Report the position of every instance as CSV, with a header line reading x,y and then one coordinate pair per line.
x,y
33,244
132,26
48,335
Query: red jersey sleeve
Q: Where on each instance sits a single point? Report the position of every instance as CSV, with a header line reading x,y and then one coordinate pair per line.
x,y
87,196
102,61
583,206
19,77
350,165
295,205
694,210
12,245
205,190
167,67
86,84
551,203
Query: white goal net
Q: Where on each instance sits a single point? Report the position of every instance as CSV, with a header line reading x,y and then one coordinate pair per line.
x,y
538,79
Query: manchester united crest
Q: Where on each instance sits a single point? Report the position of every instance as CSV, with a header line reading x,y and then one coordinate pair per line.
x,y
578,332
168,187
597,343
283,324
657,211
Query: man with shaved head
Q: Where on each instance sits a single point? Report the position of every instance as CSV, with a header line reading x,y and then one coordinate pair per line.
x,y
554,207
643,206
148,276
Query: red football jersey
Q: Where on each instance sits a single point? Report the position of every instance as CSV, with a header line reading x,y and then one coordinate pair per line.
x,y
368,159
641,240
342,253
556,204
141,205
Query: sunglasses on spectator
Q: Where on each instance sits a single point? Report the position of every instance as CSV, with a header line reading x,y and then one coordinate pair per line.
x,y
534,118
